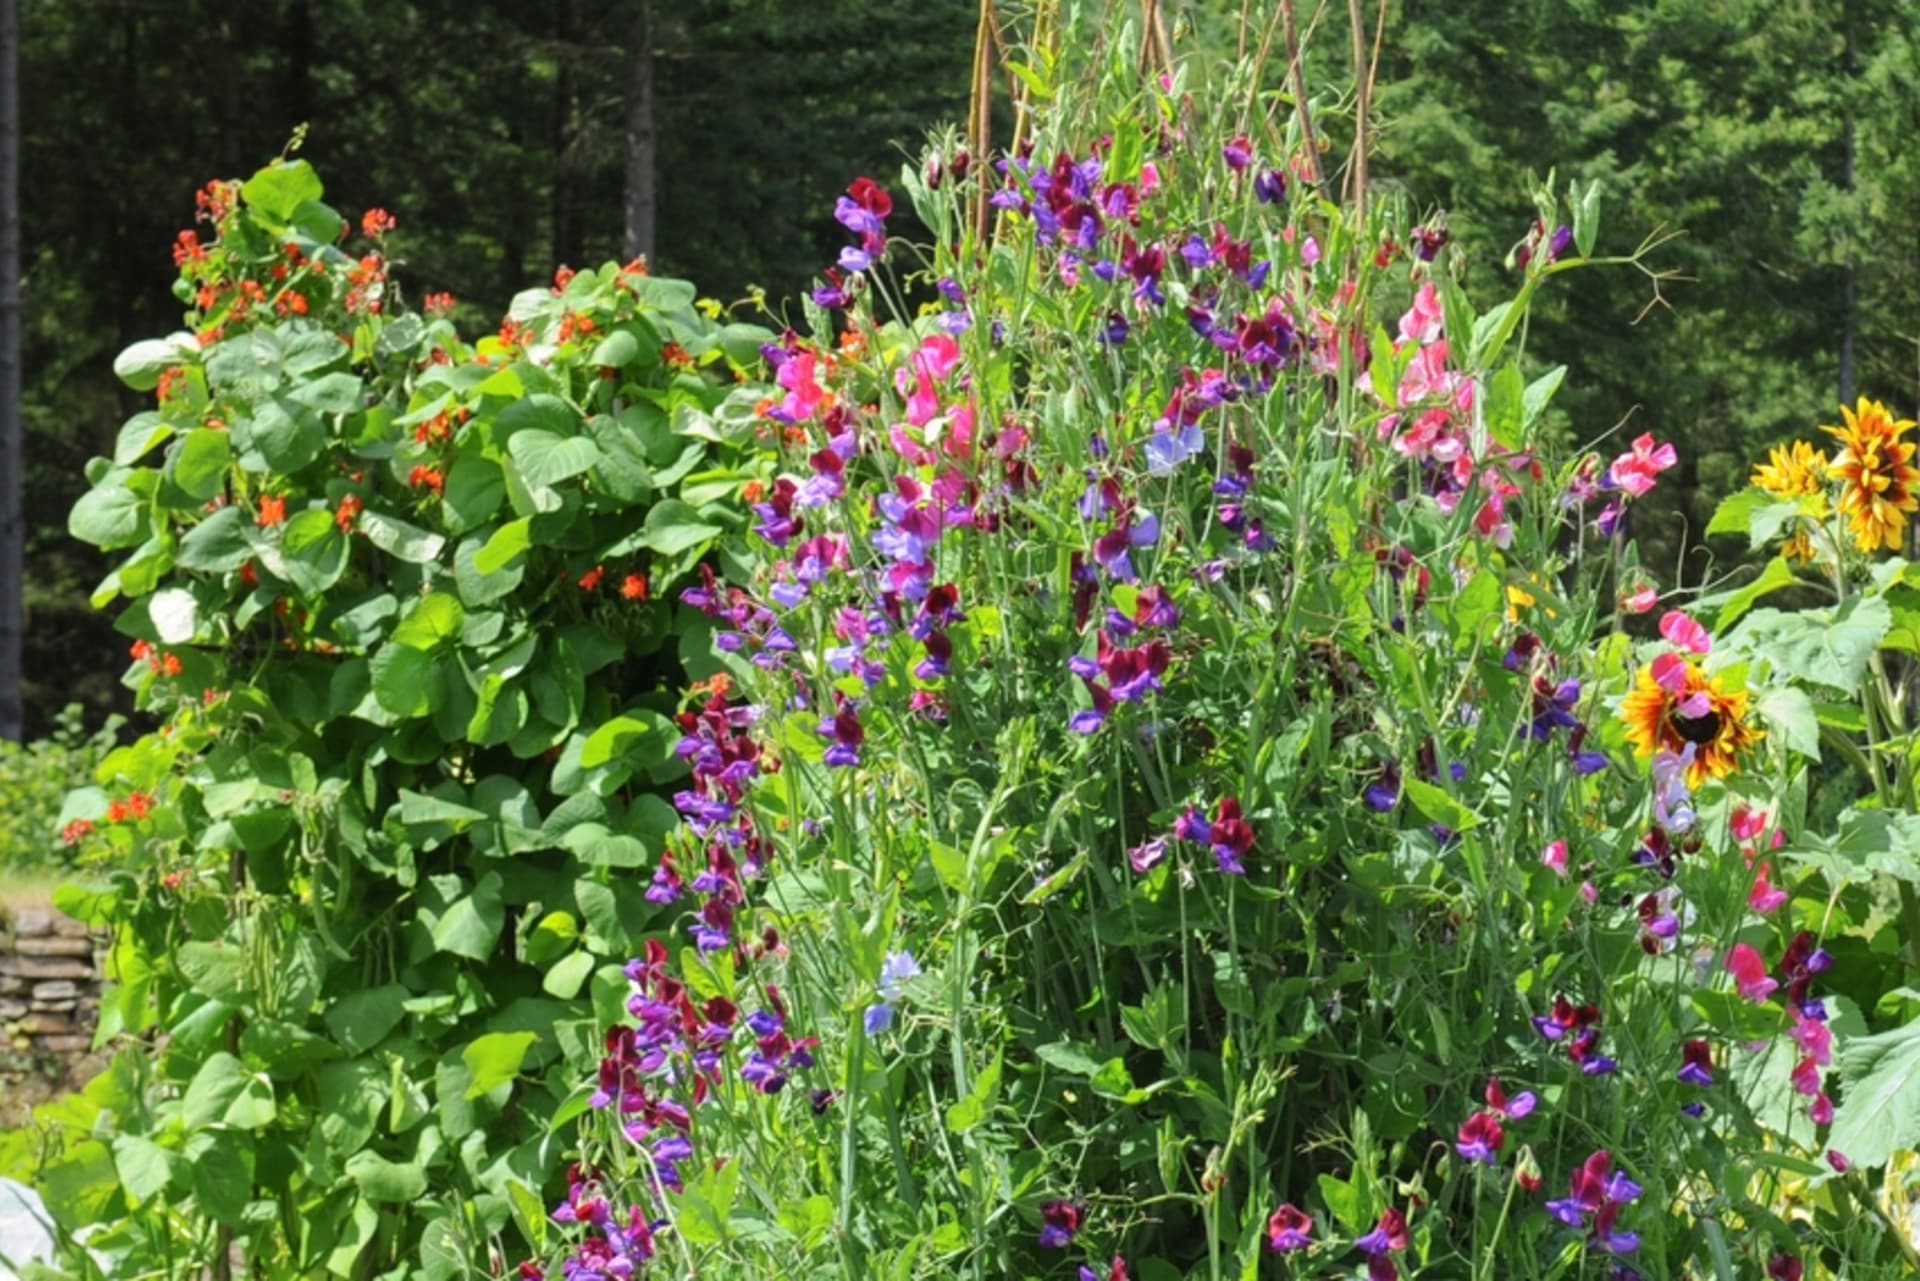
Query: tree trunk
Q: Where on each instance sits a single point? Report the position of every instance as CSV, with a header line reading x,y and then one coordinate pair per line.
x,y
640,135
1847,286
13,529
299,50
565,239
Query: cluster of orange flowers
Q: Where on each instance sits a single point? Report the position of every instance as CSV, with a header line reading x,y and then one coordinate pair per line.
x,y
137,806
633,587
158,661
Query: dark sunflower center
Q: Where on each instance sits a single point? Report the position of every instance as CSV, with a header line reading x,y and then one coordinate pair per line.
x,y
1697,729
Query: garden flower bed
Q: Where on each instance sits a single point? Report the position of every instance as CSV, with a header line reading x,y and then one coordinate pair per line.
x,y
1129,741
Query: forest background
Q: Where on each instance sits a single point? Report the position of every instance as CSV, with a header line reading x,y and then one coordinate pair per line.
x,y
714,135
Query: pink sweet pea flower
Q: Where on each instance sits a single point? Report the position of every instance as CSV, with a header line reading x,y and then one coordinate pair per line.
x,y
1684,632
935,359
804,395
1747,823
1815,1040
1750,973
1670,673
1555,857
1640,600
1635,470
1422,323
1763,898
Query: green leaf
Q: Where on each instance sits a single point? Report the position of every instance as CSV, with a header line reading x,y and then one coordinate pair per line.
x,y
474,491
1734,515
540,412
1791,715
553,935
80,1188
224,1092
335,393
1539,394
565,978
361,1020
200,466
1586,219
419,807
288,435
1433,801
401,680
508,541
398,539
546,459
471,925
145,1168
139,366
217,970
433,620
1344,1202
282,187
221,1168
139,435
616,350
1881,1111
673,527
109,516
1069,1058
1868,844
383,1180
1825,646
1503,409
495,1059
978,1105
217,544
1734,605
313,551
621,735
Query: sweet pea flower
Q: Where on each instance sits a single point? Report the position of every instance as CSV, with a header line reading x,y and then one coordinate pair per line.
x,y
1635,470
1288,1229
1389,1236
1519,1106
1684,632
1696,1063
1750,973
1763,897
1480,1138
895,971
1060,1222
1639,601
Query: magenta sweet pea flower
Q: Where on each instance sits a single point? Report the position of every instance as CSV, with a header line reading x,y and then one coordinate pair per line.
x,y
1516,1108
1288,1229
1750,973
1636,470
1060,1222
1388,1237
1683,632
1481,1137
1696,1067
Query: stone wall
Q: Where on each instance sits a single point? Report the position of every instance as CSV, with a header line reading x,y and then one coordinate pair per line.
x,y
49,983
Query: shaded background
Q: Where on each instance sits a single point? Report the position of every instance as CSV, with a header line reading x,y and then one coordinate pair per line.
x,y
1777,135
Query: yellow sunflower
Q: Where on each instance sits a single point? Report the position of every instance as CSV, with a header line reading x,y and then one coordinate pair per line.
x,y
1792,470
1654,723
1796,471
1878,481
